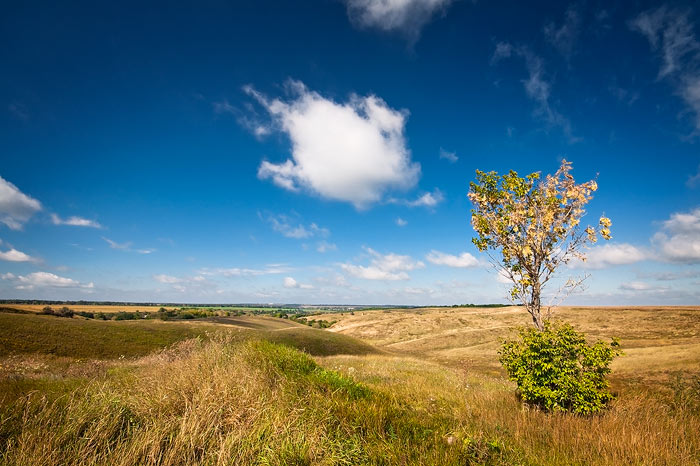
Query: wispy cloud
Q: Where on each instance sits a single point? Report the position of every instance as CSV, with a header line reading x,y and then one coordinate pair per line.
x,y
127,247
16,208
292,229
75,221
270,269
537,86
401,222
352,152
607,255
563,37
449,156
671,35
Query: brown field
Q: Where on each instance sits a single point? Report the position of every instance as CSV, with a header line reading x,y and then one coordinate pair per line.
x,y
656,340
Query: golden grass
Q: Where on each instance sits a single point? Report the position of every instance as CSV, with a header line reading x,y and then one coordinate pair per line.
x,y
418,387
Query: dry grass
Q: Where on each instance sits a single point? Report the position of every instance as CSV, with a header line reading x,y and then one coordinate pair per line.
x,y
107,309
430,392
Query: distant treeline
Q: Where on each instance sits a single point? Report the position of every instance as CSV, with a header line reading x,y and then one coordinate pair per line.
x,y
161,314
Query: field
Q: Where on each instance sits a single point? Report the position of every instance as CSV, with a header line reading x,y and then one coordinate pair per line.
x,y
418,386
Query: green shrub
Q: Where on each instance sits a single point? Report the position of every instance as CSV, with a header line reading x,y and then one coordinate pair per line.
x,y
557,370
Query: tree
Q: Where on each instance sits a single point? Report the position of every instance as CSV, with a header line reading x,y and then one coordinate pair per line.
x,y
535,225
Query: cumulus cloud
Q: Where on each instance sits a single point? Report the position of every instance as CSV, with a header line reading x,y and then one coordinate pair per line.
x,y
404,16
671,35
291,229
45,280
353,152
16,208
449,156
537,86
384,267
13,255
679,238
401,222
74,221
290,282
599,257
463,260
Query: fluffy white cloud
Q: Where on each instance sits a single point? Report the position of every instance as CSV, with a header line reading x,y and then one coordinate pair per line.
x,y
679,240
352,152
462,261
670,34
449,156
13,255
290,282
401,222
405,16
45,280
74,221
15,206
384,267
606,255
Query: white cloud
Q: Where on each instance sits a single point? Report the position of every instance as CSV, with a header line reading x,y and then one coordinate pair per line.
x,y
325,246
640,286
462,261
607,255
16,208
13,255
401,222
74,221
45,280
693,180
427,199
449,156
405,16
290,282
679,240
384,267
537,86
563,38
291,229
670,33
167,279
270,269
127,247
353,152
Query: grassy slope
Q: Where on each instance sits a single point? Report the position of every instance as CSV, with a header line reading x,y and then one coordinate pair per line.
x,y
230,402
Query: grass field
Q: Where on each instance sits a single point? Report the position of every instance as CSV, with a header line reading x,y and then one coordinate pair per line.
x,y
419,386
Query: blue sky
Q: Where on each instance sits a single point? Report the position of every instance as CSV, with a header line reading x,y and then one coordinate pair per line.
x,y
320,151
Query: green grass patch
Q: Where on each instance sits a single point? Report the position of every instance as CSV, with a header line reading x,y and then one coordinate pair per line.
x,y
81,338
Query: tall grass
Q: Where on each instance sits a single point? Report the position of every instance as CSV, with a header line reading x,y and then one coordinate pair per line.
x,y
223,402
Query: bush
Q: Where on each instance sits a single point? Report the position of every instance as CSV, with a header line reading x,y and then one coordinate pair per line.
x,y
556,369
